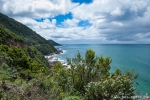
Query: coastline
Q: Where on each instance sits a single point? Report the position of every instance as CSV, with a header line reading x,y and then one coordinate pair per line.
x,y
53,60
50,57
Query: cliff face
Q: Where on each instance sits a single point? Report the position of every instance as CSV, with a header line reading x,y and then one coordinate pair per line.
x,y
11,42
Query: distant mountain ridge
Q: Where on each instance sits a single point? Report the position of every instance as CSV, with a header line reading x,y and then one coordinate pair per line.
x,y
53,43
24,33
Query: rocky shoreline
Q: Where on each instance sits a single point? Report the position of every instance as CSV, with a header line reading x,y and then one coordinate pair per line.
x,y
56,52
50,57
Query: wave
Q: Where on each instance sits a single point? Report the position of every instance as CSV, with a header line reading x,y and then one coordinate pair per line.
x,y
64,51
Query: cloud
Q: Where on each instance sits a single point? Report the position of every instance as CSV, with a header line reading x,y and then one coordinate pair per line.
x,y
101,21
117,12
36,8
71,22
143,36
117,20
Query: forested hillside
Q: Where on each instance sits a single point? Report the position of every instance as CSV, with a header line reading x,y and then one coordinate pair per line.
x,y
21,55
9,38
16,53
29,37
53,43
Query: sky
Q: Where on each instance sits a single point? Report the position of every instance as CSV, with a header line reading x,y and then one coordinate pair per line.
x,y
84,21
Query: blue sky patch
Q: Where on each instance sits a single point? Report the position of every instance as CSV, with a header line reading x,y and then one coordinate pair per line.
x,y
40,20
82,1
61,18
84,23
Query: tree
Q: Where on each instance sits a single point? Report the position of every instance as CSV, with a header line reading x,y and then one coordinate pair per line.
x,y
91,68
90,77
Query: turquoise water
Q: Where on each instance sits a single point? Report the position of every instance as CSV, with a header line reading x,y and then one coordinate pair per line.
x,y
124,56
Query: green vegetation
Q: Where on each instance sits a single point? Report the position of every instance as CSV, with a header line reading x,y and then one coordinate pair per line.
x,y
11,30
21,30
25,73
9,38
90,79
25,60
86,79
45,49
53,43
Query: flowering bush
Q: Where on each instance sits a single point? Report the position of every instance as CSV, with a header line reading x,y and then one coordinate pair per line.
x,y
115,87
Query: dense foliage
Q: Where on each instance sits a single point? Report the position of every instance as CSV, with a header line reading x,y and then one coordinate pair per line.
x,y
90,78
25,60
21,30
87,79
45,49
53,43
9,27
9,38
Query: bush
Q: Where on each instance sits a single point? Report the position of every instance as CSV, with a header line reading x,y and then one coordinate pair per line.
x,y
115,86
87,79
90,77
72,98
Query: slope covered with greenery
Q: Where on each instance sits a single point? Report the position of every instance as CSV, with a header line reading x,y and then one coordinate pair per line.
x,y
86,79
24,58
19,61
21,30
53,43
9,38
30,37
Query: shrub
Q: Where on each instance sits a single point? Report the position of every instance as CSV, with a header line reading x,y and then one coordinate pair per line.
x,y
114,87
90,77
73,98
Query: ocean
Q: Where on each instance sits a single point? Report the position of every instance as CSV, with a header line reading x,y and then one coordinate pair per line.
x,y
124,56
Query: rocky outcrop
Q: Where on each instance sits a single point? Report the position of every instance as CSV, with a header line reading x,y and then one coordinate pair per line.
x,y
11,42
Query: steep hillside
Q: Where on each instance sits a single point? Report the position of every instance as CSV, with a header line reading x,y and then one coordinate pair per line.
x,y
19,57
30,37
21,60
9,38
53,43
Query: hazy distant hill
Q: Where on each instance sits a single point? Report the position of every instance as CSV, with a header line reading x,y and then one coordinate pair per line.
x,y
53,43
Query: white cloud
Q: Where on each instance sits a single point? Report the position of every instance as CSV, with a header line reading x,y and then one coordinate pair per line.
x,y
117,23
36,8
70,22
112,21
117,12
